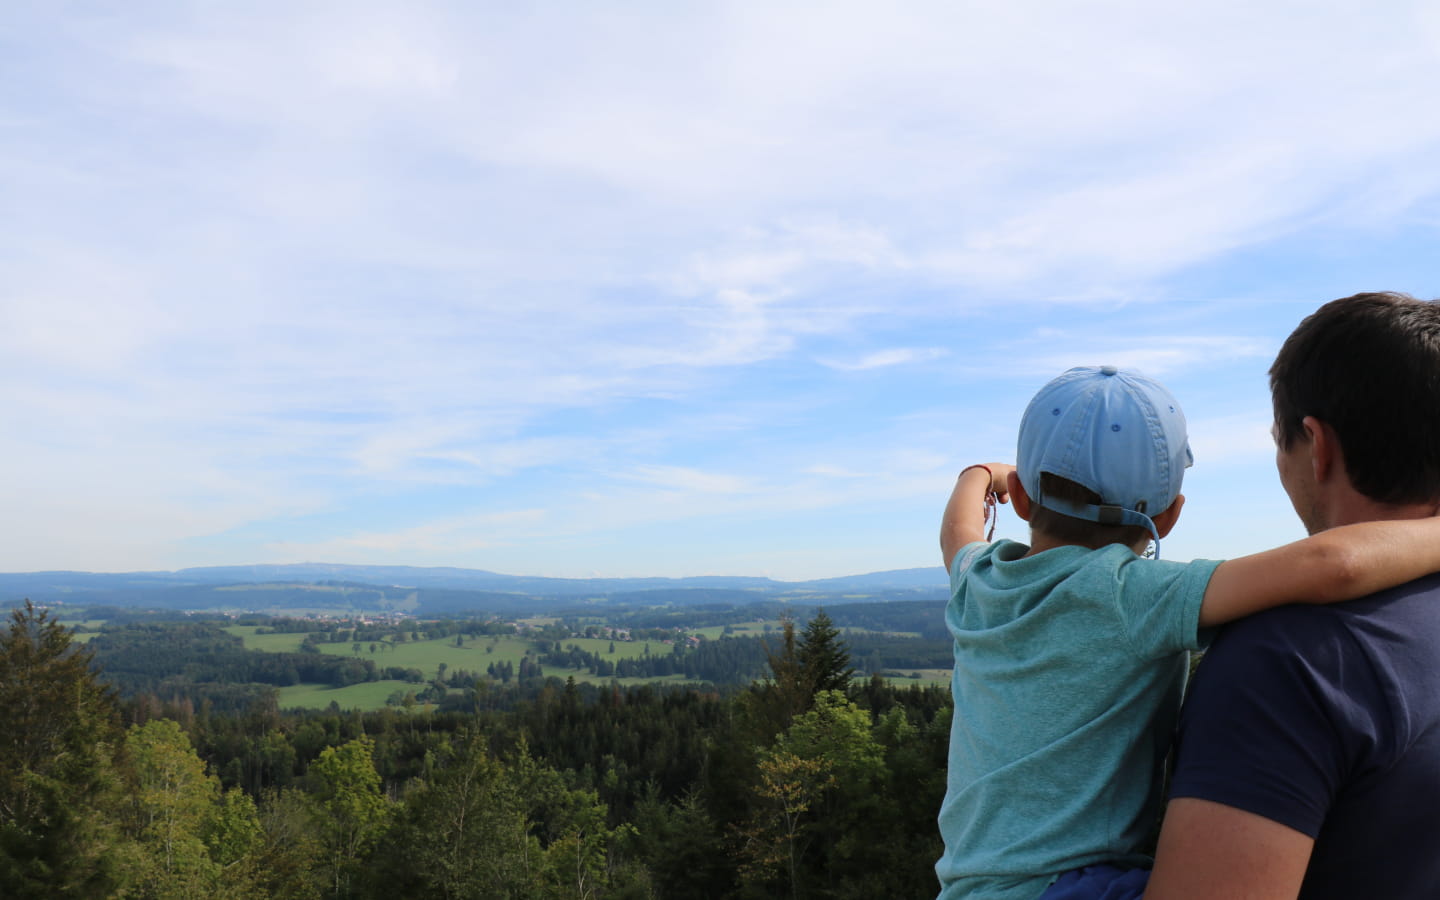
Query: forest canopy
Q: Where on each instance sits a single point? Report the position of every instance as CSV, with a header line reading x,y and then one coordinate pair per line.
x,y
808,782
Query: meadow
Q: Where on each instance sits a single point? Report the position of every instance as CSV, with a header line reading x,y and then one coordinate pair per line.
x,y
475,654
427,655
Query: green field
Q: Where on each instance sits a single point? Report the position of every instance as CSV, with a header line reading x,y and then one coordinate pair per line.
x,y
742,629
623,649
367,696
69,622
426,655
928,678
270,643
475,656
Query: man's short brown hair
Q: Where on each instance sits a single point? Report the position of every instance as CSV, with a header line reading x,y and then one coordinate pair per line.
x,y
1369,367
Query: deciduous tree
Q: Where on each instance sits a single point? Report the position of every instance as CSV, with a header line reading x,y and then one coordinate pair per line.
x,y
349,810
173,805
462,833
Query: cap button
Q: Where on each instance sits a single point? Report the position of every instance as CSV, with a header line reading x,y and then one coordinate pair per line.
x,y
1108,370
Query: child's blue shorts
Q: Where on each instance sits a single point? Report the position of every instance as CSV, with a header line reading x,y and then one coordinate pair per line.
x,y
1099,882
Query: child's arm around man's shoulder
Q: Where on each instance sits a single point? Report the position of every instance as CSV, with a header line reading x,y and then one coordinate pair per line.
x,y
964,520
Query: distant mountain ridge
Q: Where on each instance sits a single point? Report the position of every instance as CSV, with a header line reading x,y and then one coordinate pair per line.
x,y
127,587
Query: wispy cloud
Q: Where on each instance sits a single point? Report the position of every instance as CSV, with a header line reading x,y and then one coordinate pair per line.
x,y
690,480
895,356
434,541
1234,439
1153,354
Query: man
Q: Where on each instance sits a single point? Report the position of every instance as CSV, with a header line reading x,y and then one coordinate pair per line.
x,y
1309,754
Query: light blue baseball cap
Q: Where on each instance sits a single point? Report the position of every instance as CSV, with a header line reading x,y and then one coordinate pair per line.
x,y
1114,431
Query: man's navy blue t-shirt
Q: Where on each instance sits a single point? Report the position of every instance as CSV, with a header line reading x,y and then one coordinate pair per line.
x,y
1327,719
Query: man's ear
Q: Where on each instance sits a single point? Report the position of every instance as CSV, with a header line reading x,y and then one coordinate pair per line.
x,y
1166,520
1019,500
1324,448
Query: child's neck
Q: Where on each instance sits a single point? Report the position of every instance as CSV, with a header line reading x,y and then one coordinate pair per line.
x,y
1040,542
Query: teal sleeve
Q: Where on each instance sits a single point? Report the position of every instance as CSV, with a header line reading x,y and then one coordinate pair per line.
x,y
963,561
1159,605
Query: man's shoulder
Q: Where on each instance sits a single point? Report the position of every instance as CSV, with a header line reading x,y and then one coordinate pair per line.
x,y
1310,641
1294,622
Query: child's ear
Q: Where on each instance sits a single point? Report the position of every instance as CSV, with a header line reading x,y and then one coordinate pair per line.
x,y
1167,519
1019,500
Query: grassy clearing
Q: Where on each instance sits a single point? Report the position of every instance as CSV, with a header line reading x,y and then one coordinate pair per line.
x,y
367,696
742,629
270,643
928,678
82,637
623,649
476,655
427,656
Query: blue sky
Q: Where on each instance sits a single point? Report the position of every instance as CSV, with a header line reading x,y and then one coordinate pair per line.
x,y
661,289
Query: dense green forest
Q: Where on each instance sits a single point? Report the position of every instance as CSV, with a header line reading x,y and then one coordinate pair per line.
x,y
808,783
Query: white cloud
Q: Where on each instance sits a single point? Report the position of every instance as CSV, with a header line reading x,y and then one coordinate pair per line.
x,y
1154,355
690,480
895,356
454,537
772,258
825,470
1233,439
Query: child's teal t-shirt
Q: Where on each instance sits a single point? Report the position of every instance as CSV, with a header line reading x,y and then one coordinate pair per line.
x,y
1069,670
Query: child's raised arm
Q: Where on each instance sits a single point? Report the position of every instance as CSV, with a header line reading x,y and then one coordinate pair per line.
x,y
1341,563
964,520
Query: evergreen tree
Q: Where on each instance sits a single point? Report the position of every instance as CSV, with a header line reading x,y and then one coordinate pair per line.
x,y
824,657
787,694
57,781
802,667
683,846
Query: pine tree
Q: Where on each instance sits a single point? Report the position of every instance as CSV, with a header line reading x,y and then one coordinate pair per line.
x,y
57,780
787,694
824,658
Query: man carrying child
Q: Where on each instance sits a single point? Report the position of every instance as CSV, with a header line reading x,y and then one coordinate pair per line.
x,y
1071,652
1308,762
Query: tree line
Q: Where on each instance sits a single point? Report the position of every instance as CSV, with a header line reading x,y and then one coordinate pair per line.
x,y
729,660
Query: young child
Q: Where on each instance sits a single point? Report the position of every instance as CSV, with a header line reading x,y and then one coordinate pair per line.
x,y
1070,654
